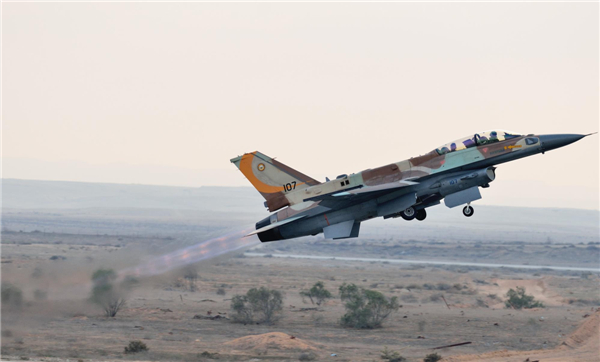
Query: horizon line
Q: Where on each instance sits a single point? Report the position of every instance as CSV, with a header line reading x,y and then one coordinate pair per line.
x,y
2,179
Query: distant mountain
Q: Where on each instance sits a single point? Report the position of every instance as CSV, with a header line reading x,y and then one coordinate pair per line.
x,y
68,206
28,194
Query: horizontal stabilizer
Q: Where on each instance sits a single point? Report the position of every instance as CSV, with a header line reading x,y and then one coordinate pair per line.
x,y
276,224
346,229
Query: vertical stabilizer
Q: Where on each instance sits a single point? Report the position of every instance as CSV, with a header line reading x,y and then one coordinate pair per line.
x,y
272,179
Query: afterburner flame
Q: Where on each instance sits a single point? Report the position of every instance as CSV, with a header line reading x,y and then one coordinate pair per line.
x,y
205,250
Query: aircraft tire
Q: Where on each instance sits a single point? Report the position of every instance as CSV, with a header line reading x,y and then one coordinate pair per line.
x,y
421,215
408,214
468,211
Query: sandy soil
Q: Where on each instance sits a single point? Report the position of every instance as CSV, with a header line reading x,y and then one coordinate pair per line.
x,y
160,310
583,345
261,343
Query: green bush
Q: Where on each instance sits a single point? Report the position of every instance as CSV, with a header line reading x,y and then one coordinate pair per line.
x,y
433,357
317,294
443,286
105,293
191,276
517,299
258,305
208,355
391,356
242,311
130,282
11,295
103,276
135,347
365,308
307,357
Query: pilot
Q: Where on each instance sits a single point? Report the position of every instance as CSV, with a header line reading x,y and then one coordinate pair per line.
x,y
469,143
453,147
493,137
444,150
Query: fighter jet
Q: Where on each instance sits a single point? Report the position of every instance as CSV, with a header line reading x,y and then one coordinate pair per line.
x,y
453,173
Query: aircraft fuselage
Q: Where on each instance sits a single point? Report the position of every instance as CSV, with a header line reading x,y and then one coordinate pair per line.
x,y
453,173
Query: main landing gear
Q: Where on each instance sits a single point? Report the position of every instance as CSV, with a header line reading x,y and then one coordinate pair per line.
x,y
421,214
411,213
468,211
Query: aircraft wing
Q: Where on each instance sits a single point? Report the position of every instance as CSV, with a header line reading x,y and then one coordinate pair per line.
x,y
348,197
276,224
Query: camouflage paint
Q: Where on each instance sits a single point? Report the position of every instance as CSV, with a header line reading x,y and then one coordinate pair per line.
x,y
291,192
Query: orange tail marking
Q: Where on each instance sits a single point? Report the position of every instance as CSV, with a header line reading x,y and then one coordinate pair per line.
x,y
246,168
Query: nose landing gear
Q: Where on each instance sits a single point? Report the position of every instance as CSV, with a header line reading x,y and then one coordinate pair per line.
x,y
468,211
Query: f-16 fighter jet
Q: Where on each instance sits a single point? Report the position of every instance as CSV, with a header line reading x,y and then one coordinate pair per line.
x,y
453,172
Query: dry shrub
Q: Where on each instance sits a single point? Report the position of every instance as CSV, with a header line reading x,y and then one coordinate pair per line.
x,y
307,357
105,293
135,347
11,295
433,357
391,356
517,299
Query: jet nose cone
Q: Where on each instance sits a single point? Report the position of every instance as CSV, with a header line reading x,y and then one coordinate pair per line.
x,y
552,141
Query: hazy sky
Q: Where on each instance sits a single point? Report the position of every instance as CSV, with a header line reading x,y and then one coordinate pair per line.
x,y
163,93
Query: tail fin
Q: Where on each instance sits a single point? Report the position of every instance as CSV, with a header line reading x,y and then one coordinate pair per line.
x,y
272,179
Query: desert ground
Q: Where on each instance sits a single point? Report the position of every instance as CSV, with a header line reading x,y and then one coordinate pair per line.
x,y
51,250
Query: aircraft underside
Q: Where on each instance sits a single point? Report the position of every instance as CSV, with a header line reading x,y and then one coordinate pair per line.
x,y
456,189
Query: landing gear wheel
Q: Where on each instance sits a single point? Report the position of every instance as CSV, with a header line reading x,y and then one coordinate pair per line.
x,y
468,211
408,214
421,215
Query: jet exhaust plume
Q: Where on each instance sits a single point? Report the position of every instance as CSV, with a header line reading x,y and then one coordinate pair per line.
x,y
78,285
191,254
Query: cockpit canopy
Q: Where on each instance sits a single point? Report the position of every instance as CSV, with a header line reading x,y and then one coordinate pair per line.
x,y
477,139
